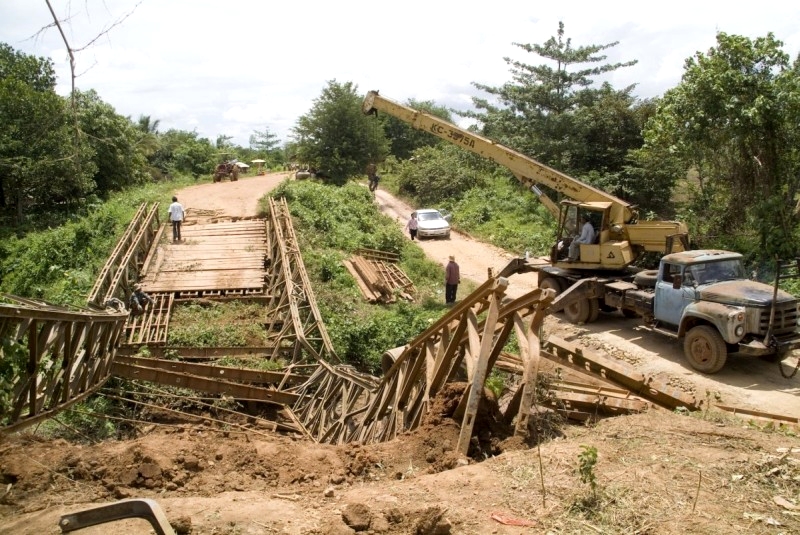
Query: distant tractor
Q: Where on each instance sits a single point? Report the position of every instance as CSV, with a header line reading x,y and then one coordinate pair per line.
x,y
227,169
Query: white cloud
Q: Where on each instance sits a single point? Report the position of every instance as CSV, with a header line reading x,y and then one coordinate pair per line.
x,y
236,66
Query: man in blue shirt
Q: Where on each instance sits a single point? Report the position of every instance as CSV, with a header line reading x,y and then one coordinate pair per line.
x,y
587,236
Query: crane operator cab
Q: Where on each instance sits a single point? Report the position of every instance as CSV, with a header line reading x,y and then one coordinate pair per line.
x,y
586,239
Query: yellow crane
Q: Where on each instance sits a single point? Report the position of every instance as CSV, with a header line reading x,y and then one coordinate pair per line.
x,y
621,237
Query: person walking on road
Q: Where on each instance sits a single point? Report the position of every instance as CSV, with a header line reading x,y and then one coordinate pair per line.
x,y
176,216
412,226
452,276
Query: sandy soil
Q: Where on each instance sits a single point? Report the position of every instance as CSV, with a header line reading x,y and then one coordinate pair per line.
x,y
657,473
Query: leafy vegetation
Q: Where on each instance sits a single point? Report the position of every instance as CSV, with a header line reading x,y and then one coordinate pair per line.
x,y
234,324
733,121
335,138
60,264
331,223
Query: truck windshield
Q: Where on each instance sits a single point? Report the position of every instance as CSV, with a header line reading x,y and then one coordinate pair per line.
x,y
722,270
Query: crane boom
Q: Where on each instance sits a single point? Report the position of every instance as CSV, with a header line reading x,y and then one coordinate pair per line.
x,y
620,237
529,171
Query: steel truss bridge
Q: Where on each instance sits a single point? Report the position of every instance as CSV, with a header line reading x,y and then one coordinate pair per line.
x,y
55,356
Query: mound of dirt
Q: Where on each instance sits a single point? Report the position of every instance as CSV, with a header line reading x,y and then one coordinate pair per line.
x,y
657,472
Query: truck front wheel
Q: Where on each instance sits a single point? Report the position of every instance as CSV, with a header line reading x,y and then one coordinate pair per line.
x,y
550,283
705,349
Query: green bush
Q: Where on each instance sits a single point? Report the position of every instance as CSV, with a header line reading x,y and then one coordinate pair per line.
x,y
60,264
331,223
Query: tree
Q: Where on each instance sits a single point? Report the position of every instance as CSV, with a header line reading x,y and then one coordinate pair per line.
x,y
535,113
224,142
185,152
266,145
115,142
734,122
148,140
440,172
37,73
335,137
264,141
38,172
403,139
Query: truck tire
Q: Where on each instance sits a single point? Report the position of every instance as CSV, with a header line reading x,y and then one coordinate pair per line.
x,y
594,310
646,279
705,349
578,311
547,282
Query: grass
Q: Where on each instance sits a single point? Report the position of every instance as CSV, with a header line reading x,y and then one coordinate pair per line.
x,y
60,264
213,324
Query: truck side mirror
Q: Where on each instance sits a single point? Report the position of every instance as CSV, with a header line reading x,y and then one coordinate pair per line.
x,y
677,280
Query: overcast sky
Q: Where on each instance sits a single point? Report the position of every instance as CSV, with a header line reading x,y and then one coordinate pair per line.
x,y
234,66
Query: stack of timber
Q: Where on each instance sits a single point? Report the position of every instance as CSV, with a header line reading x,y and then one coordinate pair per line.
x,y
379,277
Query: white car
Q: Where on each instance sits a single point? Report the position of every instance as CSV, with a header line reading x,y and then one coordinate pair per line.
x,y
432,224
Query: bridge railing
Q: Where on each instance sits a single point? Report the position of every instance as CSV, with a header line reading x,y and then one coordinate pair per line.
x,y
122,268
51,357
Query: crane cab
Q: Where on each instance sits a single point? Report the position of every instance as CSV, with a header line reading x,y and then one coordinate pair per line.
x,y
610,249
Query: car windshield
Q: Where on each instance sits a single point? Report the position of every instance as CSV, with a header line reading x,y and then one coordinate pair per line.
x,y
429,216
716,271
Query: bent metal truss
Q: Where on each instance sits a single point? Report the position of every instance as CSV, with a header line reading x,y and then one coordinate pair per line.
x,y
56,356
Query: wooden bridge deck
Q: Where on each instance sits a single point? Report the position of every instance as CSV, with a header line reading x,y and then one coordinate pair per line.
x,y
213,259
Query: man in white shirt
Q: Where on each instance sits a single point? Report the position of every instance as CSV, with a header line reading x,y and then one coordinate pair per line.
x,y
587,236
176,216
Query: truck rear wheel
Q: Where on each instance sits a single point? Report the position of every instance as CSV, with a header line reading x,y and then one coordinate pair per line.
x,y
705,349
578,311
594,310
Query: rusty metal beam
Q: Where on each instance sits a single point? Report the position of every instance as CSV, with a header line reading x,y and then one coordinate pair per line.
x,y
201,353
122,267
204,384
654,389
777,418
294,316
227,373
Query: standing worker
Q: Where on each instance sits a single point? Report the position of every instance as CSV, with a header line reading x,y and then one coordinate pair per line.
x,y
452,276
412,226
372,175
176,216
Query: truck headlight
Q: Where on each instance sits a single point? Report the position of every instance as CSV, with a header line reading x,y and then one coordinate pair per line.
x,y
739,331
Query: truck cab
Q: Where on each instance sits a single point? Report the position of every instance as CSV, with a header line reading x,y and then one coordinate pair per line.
x,y
705,298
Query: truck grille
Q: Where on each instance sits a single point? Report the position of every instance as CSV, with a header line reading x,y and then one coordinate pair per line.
x,y
785,319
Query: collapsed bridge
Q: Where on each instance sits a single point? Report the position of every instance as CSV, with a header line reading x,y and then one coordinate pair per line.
x,y
61,355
